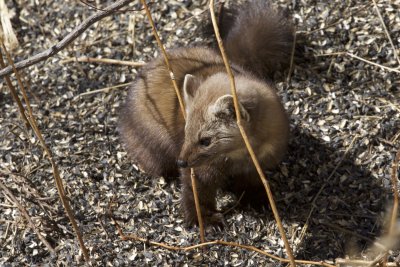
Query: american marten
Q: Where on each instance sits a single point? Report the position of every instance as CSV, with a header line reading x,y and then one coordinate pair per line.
x,y
259,44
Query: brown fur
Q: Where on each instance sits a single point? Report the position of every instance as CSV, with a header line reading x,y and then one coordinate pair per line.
x,y
225,162
156,136
151,123
261,39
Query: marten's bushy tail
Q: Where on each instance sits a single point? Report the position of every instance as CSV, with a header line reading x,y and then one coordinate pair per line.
x,y
260,39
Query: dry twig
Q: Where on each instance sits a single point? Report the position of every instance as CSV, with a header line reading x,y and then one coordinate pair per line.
x,y
359,58
86,3
14,94
292,57
27,217
396,193
102,60
204,244
392,233
32,194
106,89
245,138
352,233
56,173
396,55
196,200
305,227
67,39
394,214
166,60
340,20
182,106
235,205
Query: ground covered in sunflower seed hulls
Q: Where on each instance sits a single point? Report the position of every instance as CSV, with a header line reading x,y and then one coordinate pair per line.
x,y
332,189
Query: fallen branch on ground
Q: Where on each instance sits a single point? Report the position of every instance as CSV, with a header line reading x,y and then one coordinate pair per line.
x,y
205,244
67,39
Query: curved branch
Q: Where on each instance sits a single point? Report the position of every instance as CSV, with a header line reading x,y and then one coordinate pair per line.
x,y
67,39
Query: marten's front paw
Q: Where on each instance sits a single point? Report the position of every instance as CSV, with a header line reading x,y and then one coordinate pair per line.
x,y
215,219
209,218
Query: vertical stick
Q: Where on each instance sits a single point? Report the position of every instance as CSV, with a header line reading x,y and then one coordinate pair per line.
x,y
197,203
14,93
166,60
395,210
246,140
182,106
56,173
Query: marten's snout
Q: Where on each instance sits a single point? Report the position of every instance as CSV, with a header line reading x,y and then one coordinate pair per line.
x,y
182,163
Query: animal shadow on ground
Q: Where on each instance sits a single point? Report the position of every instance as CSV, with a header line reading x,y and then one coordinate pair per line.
x,y
346,201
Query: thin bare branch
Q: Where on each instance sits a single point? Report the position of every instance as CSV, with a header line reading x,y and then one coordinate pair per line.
x,y
378,259
235,205
359,58
305,227
245,138
102,60
86,3
182,107
352,233
395,210
27,217
204,244
340,20
106,89
67,39
166,60
56,173
393,231
292,57
396,55
14,93
197,203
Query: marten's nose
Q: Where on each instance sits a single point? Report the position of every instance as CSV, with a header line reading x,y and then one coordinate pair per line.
x,y
181,163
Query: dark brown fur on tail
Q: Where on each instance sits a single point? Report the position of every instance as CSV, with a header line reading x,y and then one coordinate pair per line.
x,y
260,39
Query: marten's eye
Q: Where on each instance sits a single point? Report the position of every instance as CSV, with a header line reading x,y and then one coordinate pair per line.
x,y
205,141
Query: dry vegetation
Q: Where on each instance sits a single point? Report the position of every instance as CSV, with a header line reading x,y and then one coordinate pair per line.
x,y
333,190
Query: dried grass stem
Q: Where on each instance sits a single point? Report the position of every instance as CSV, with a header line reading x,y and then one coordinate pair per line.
x,y
182,107
102,60
56,173
205,244
27,217
245,138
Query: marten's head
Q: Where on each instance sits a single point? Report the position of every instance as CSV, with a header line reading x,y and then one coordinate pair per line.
x,y
211,131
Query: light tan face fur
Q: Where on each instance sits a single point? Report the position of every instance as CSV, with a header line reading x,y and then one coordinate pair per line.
x,y
211,132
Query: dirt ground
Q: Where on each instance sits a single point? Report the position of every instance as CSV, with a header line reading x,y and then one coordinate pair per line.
x,y
333,189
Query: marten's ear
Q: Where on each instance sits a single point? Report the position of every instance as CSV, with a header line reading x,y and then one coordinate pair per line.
x,y
224,108
190,85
